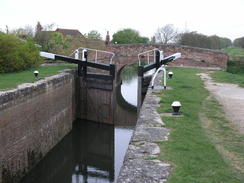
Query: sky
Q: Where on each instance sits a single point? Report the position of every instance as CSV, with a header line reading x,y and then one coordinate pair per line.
x,y
224,18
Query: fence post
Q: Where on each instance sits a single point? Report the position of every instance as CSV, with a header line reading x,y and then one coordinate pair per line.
x,y
157,59
78,56
112,70
79,70
84,60
139,88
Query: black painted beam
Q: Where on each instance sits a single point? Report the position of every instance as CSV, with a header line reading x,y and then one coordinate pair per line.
x,y
149,67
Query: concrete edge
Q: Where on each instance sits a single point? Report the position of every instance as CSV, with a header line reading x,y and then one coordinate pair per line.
x,y
141,162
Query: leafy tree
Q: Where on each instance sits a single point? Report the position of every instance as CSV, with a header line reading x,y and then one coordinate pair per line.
x,y
16,55
239,42
43,35
128,36
166,34
194,39
42,38
225,42
199,40
219,42
94,35
58,43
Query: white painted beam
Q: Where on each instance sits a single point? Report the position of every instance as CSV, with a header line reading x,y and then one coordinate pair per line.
x,y
47,55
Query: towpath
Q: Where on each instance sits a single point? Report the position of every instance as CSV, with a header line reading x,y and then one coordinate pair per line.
x,y
230,96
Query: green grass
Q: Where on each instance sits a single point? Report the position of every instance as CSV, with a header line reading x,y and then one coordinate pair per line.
x,y
227,77
234,51
229,142
189,149
235,68
12,80
235,54
235,63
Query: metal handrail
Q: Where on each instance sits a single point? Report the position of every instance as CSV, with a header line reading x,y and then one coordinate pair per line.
x,y
148,51
108,52
162,68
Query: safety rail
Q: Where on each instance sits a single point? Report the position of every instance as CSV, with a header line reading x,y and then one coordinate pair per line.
x,y
96,53
162,68
148,55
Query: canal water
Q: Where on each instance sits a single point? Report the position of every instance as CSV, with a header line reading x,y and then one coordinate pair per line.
x,y
93,152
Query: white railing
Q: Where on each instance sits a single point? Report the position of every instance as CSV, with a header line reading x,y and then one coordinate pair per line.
x,y
162,68
96,53
148,55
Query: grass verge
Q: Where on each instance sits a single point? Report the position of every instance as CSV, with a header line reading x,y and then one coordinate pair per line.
x,y
189,148
234,52
222,133
227,77
12,80
235,63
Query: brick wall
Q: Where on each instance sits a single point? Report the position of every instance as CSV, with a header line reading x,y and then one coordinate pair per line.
x,y
33,119
193,57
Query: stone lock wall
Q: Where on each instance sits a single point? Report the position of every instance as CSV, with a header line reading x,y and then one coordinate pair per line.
x,y
190,57
33,119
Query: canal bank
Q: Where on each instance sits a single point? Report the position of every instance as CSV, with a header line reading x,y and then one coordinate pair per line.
x,y
141,163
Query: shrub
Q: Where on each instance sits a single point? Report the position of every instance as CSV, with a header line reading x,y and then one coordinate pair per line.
x,y
235,67
16,55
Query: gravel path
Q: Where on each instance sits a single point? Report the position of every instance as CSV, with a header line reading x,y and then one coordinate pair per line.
x,y
231,96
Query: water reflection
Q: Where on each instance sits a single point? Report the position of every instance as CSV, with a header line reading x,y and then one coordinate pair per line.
x,y
91,152
129,83
84,155
129,77
122,139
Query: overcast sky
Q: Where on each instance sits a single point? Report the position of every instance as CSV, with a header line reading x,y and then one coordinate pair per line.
x,y
211,17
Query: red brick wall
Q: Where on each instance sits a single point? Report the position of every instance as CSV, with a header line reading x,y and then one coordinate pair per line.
x,y
194,57
32,120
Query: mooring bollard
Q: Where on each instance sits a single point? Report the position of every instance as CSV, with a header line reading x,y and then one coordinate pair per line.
x,y
36,74
176,107
170,74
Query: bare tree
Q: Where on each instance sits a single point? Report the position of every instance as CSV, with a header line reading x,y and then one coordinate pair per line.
x,y
153,40
25,32
166,34
49,27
